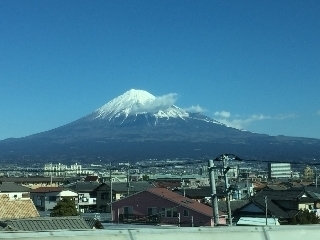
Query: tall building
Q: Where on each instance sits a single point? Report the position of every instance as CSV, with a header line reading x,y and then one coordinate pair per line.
x,y
279,170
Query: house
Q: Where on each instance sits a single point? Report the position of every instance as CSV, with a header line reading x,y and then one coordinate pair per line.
x,y
91,178
14,191
17,208
281,204
48,223
162,206
202,193
234,205
119,190
86,195
46,198
242,190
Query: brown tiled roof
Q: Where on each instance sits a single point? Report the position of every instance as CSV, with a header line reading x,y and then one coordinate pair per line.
x,y
181,200
17,208
91,178
47,189
171,185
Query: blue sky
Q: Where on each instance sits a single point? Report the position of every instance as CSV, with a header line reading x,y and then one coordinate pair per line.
x,y
251,64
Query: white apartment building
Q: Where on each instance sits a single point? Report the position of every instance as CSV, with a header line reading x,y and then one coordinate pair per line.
x,y
59,170
279,170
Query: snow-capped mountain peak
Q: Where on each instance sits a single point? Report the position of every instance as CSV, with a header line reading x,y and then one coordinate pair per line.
x,y
134,102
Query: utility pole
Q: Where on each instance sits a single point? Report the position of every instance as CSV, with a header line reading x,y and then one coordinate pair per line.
x,y
111,198
183,185
266,202
225,158
214,199
316,178
248,188
128,182
226,183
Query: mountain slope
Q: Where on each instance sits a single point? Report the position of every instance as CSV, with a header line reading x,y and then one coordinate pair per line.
x,y
139,125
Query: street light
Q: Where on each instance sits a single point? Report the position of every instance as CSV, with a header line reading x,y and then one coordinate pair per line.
x,y
224,158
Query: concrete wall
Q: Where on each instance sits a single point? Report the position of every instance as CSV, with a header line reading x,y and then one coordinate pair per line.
x,y
230,233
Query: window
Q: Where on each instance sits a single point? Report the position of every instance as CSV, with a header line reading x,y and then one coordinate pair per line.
x,y
152,211
52,198
105,196
186,213
168,212
127,210
163,212
174,212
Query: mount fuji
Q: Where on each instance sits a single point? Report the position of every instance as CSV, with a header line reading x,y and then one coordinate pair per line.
x,y
138,125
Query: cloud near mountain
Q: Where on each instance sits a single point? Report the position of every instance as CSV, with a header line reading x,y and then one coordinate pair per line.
x,y
226,118
195,109
157,104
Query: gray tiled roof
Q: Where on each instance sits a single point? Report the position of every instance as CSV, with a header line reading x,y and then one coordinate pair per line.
x,y
288,194
83,186
236,204
93,223
13,187
46,223
123,187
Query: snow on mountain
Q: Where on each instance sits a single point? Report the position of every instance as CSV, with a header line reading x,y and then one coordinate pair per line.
x,y
134,102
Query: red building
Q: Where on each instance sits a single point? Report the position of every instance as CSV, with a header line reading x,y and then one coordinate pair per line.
x,y
162,206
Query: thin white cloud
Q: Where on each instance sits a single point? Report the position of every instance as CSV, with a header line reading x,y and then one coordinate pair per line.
x,y
236,121
159,103
285,116
223,114
195,109
318,113
242,123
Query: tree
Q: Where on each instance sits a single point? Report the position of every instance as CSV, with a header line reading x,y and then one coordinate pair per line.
x,y
305,217
145,177
65,207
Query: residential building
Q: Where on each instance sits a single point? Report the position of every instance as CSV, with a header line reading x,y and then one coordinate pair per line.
x,y
46,198
281,204
59,169
86,195
119,190
91,178
14,191
308,173
279,170
162,206
242,190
